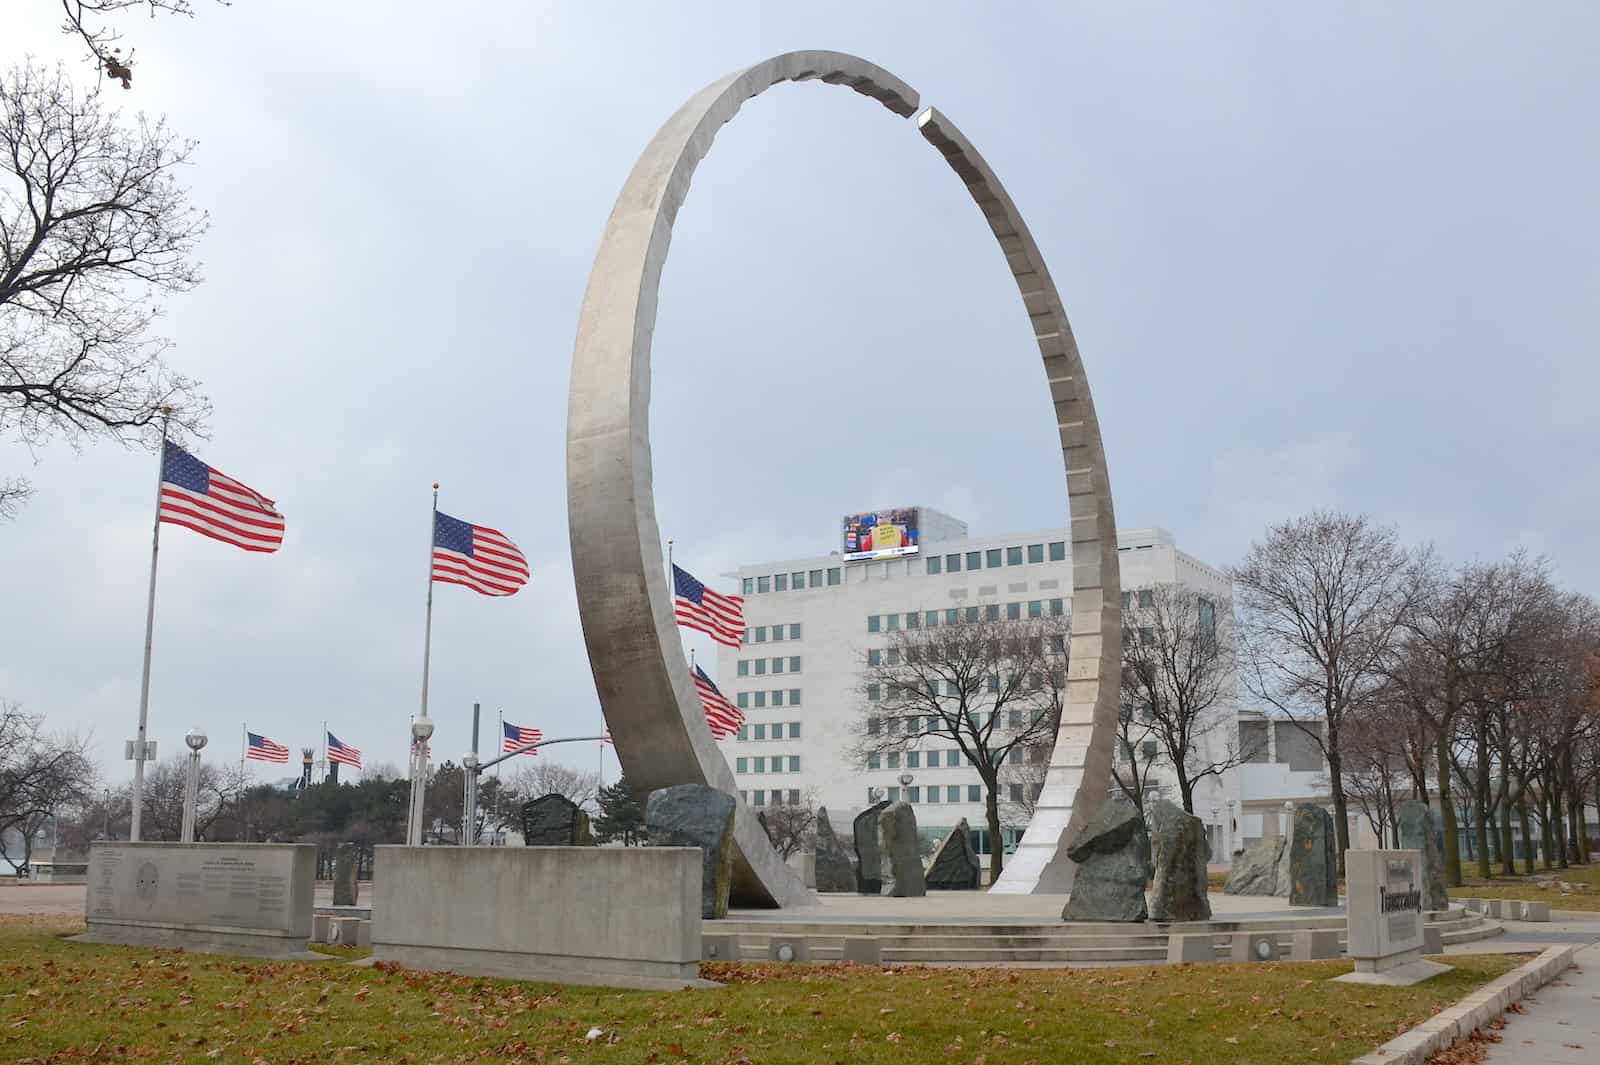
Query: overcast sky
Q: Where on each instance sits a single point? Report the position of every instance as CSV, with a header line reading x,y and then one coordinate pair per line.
x,y
1314,255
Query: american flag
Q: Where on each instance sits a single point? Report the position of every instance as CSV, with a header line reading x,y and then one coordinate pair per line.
x,y
724,718
264,750
719,616
476,556
342,753
212,504
516,736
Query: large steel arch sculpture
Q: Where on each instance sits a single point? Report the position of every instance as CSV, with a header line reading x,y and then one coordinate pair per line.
x,y
624,600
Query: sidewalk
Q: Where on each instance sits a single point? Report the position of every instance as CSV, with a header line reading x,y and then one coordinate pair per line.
x,y
1562,1022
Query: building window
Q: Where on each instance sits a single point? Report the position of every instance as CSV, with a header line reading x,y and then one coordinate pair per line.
x,y
1013,611
794,698
794,764
748,585
872,697
894,656
760,765
777,633
874,657
744,733
893,622
913,759
994,558
952,563
797,581
761,634
894,795
1015,719
1058,645
1014,556
794,730
952,793
872,622
972,793
873,760
794,663
894,759
952,616
991,684
1208,619
816,578
1057,607
743,668
761,732
745,639
873,725
741,765
935,565
913,794
933,793
1147,598
952,758
780,582
1035,608
1127,600
794,630
1058,551
763,584
930,619
974,560
794,796
992,612
760,798
1035,552
1016,793
744,700
761,700
777,697
833,576
913,620
972,615
761,667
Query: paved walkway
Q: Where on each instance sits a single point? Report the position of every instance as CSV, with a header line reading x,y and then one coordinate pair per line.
x,y
1562,1022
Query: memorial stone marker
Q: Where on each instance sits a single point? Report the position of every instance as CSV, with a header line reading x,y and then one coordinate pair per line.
x,y
1420,832
229,898
1113,856
694,815
955,865
1385,918
897,830
834,871
869,861
555,821
1313,858
345,887
1255,869
1180,850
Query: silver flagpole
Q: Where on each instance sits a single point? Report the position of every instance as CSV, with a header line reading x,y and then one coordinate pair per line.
x,y
149,633
427,629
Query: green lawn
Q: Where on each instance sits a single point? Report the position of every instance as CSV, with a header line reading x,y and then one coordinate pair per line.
x,y
1585,879
64,1001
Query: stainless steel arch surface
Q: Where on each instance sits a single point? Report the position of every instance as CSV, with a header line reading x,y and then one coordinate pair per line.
x,y
624,600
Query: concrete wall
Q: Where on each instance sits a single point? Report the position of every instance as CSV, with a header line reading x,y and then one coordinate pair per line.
x,y
248,898
615,916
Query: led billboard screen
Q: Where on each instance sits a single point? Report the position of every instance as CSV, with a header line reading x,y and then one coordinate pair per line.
x,y
881,534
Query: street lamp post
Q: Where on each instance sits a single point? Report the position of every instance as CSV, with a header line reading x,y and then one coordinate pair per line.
x,y
469,799
196,739
421,730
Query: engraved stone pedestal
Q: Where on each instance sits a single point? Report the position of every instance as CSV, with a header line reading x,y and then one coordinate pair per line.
x,y
1385,892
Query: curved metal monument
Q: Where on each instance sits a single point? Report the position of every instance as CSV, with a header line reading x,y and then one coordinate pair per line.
x,y
623,596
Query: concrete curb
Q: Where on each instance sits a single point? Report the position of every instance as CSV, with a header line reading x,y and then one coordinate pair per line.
x,y
1455,1023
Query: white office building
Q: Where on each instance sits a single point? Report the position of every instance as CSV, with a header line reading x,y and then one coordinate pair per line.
x,y
811,622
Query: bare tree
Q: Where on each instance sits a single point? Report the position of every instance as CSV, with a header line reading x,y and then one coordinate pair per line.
x,y
1137,750
86,20
1321,598
993,685
221,786
1022,783
545,777
41,773
94,228
792,826
1177,674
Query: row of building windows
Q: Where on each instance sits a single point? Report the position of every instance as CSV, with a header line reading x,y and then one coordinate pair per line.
x,y
897,690
777,730
916,793
797,581
759,763
759,796
919,619
772,697
995,557
778,633
913,759
744,668
933,725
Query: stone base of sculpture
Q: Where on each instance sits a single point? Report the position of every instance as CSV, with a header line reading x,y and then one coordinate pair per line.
x,y
955,865
1179,850
833,868
693,815
1113,857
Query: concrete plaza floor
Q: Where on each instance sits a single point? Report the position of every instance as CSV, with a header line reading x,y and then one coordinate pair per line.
x,y
1560,1025
979,907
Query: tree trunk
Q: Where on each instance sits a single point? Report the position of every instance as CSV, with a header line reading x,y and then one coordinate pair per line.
x,y
1528,853
1508,853
1481,797
1341,817
1447,818
1185,791
991,810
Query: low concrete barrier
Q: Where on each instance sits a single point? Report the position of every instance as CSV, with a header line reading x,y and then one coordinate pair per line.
x,y
225,898
613,916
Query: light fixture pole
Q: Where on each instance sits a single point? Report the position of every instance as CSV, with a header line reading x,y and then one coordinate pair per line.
x,y
421,730
196,739
469,799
